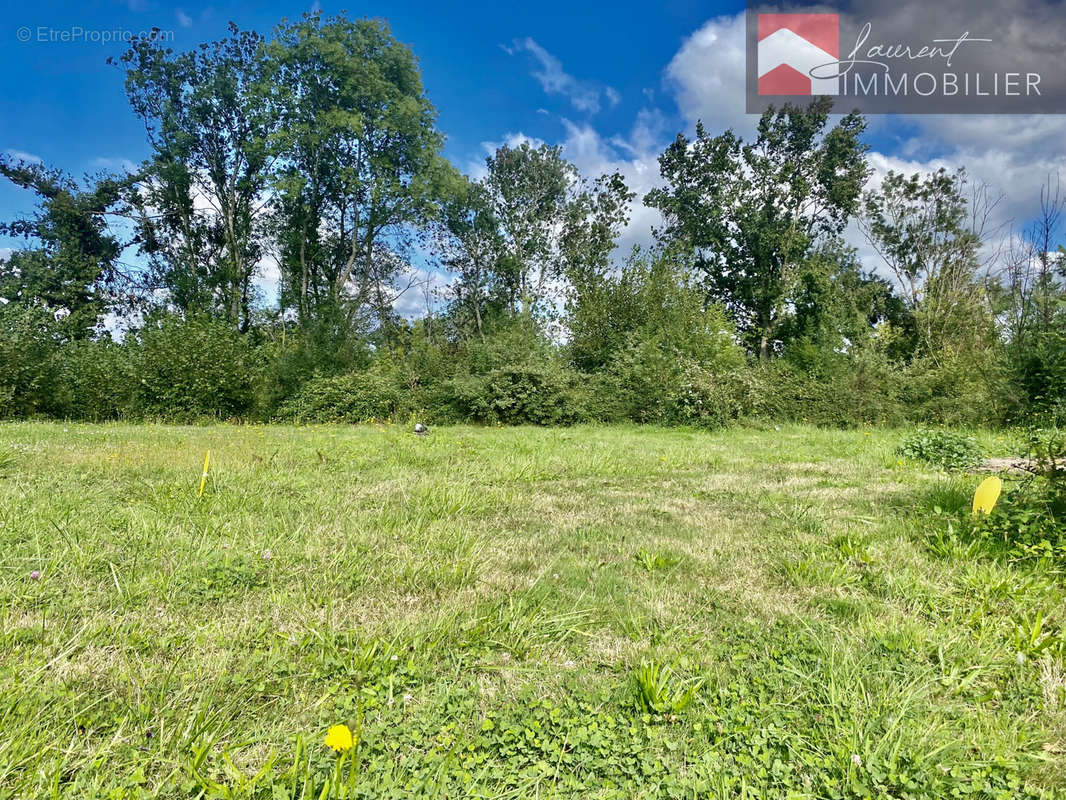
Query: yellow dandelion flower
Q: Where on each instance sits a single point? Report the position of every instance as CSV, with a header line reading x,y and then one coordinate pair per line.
x,y
339,738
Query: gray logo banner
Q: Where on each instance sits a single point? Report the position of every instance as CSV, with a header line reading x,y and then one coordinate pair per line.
x,y
909,57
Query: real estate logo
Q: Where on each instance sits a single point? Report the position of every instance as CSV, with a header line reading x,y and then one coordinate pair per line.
x,y
792,47
905,57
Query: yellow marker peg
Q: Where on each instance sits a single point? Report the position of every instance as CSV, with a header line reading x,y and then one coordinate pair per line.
x,y
984,499
203,478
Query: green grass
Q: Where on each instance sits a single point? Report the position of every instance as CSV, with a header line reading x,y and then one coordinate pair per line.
x,y
591,612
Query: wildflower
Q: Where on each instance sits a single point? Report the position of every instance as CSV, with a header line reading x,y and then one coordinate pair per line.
x,y
267,555
339,738
35,575
856,759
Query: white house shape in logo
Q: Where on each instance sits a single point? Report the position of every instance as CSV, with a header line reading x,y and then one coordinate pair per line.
x,y
790,46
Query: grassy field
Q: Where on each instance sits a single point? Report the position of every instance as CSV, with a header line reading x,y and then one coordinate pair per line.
x,y
618,612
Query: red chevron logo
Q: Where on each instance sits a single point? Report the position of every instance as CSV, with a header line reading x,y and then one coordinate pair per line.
x,y
790,46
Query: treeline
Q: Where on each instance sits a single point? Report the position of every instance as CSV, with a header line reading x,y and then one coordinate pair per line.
x,y
317,151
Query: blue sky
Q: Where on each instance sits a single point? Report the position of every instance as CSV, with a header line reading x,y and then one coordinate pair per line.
x,y
612,83
63,104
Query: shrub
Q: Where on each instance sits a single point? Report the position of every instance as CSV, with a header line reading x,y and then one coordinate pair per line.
x,y
295,354
30,367
517,394
98,379
1029,522
957,390
862,391
375,393
944,449
193,368
703,399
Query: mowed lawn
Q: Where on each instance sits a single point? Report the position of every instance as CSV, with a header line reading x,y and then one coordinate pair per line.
x,y
476,605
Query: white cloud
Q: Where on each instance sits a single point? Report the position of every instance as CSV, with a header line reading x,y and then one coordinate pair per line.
x,y
707,76
267,280
184,20
549,72
115,164
22,155
635,157
1013,155
419,291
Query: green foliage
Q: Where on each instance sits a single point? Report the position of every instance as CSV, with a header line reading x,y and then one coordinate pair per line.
x,y
517,394
1040,373
72,265
942,448
375,393
864,390
1029,521
660,691
29,361
324,346
192,368
752,212
209,128
359,164
99,380
655,561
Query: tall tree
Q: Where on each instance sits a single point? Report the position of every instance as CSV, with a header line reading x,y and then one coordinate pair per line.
x,y
360,165
72,269
929,232
470,243
836,309
203,194
532,229
751,213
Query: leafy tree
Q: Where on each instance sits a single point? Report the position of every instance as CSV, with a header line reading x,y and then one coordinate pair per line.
x,y
529,191
652,298
471,244
529,231
752,212
929,235
201,201
73,269
360,164
837,308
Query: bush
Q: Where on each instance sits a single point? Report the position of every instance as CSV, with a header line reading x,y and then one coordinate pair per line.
x,y
30,362
376,393
959,391
518,394
862,390
944,449
295,354
1030,521
98,379
193,368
